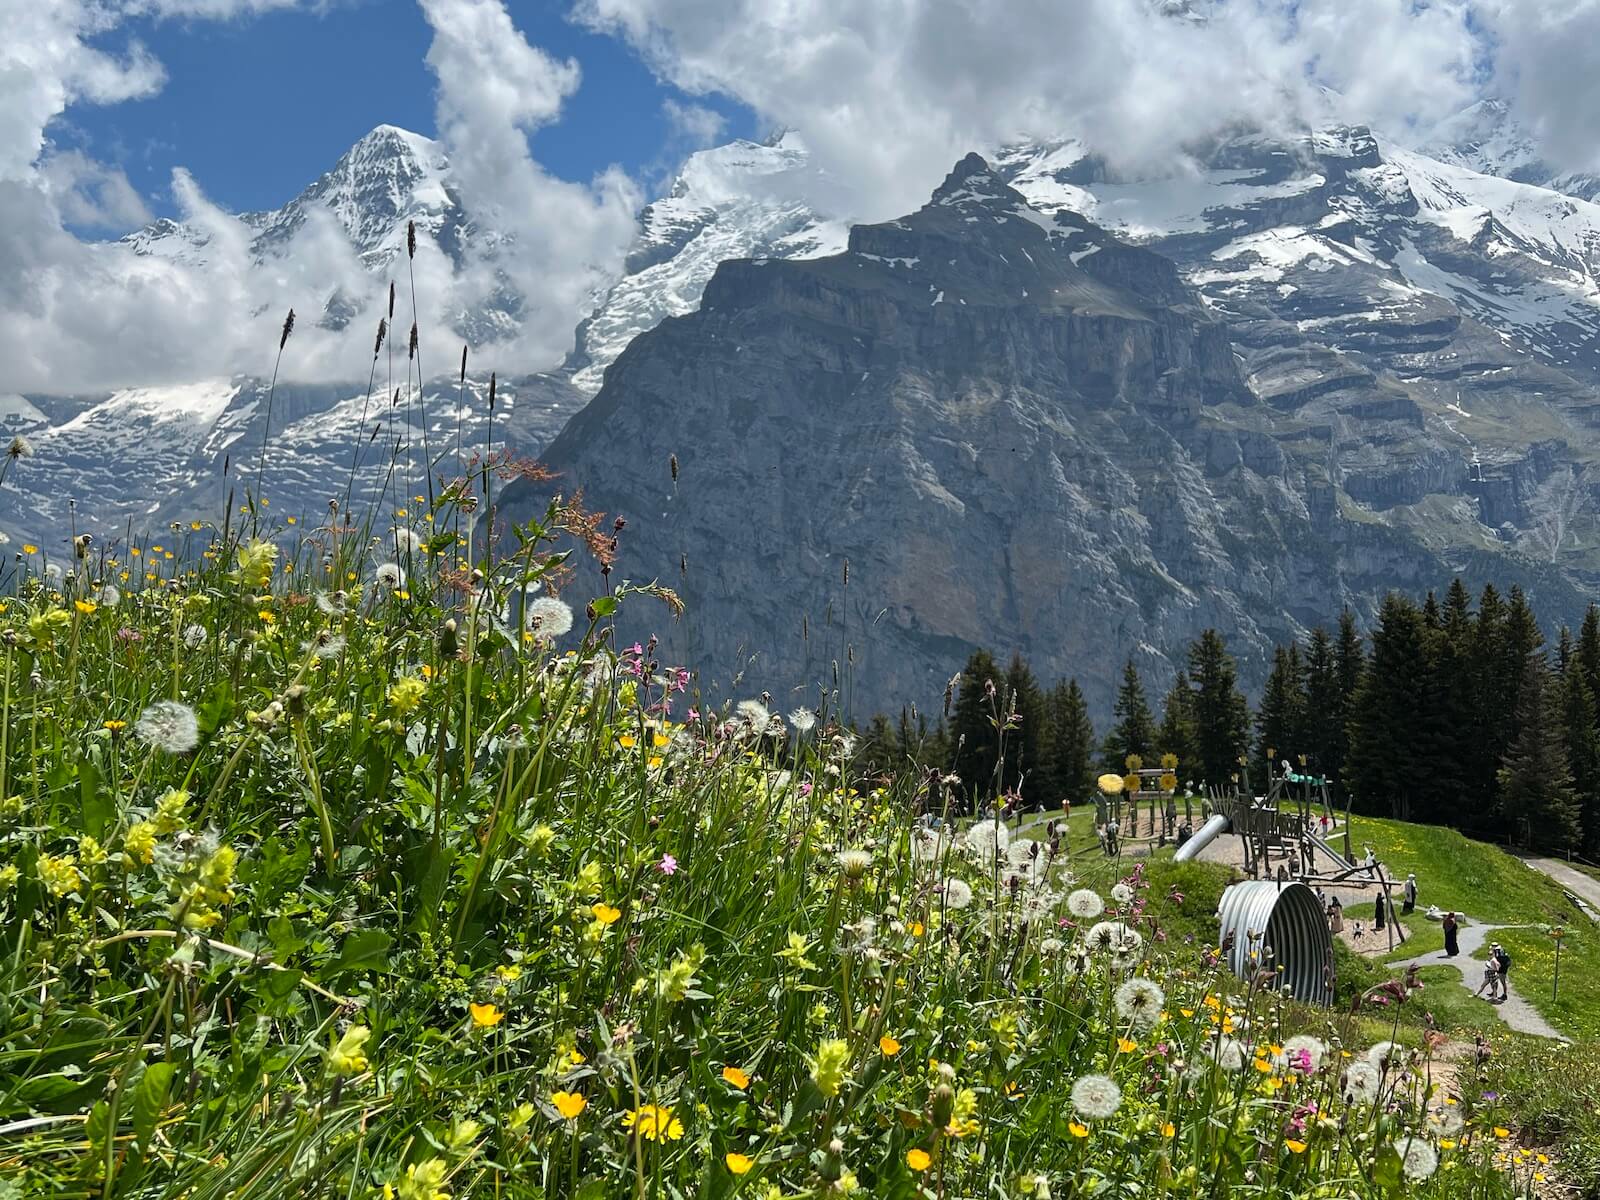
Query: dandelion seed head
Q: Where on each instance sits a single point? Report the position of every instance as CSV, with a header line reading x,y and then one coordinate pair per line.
x,y
1122,894
548,618
803,720
194,636
108,596
957,895
1096,1097
390,575
1227,1053
1418,1159
168,726
1085,904
1139,1002
20,447
1361,1082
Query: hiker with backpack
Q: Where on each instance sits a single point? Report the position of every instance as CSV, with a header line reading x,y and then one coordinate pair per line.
x,y
1491,979
1502,960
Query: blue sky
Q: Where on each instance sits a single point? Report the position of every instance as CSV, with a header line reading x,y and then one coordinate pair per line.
x,y
258,108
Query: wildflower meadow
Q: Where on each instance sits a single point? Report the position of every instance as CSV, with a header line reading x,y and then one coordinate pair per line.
x,y
351,864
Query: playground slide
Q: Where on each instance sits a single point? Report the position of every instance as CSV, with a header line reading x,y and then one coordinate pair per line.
x,y
1203,837
1344,863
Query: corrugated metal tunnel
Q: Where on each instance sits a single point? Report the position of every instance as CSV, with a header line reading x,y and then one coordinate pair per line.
x,y
1279,925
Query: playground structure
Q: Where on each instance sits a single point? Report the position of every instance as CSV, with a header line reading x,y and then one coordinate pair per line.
x,y
1278,935
1287,855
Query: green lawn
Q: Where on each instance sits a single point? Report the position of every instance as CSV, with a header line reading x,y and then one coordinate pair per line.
x,y
1496,888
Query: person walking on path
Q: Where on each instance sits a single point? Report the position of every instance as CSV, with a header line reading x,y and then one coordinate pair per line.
x,y
1410,895
1377,913
1452,928
1502,962
1491,978
1335,916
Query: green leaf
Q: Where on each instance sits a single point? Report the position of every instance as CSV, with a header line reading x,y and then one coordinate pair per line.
x,y
604,606
366,950
1387,1171
95,802
149,1098
280,931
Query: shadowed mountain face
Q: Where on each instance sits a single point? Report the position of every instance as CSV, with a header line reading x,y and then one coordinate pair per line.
x,y
1024,433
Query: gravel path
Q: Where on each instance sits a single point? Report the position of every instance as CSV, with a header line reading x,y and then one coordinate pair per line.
x,y
1585,887
1513,1010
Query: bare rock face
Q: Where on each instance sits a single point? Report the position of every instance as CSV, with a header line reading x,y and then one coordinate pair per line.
x,y
1018,430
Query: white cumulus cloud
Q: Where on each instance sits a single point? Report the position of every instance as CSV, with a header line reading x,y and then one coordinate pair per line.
x,y
890,93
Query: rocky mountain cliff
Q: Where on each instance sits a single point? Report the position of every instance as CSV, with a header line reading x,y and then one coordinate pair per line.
x,y
1025,432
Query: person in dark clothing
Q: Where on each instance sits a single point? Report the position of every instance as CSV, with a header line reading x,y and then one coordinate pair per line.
x,y
1452,928
1410,895
1377,912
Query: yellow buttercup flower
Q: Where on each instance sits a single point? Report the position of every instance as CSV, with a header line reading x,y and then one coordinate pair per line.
x,y
889,1046
85,606
918,1159
605,914
569,1104
1294,1146
736,1077
739,1164
1127,1045
656,1122
1168,1130
485,1016
1077,1130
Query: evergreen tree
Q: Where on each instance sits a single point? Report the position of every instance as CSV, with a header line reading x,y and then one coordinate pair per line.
x,y
1280,724
1323,728
880,748
1537,800
1072,747
1350,664
1384,767
975,752
1444,724
1588,650
1578,712
1489,722
1134,731
1221,716
1176,734
1522,638
1027,740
